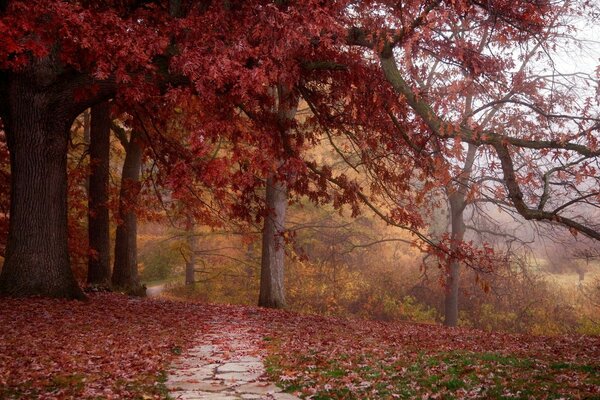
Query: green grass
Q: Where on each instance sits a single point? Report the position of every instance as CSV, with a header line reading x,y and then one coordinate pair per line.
x,y
145,386
447,375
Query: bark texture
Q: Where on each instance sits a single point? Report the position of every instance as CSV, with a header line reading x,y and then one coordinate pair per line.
x,y
272,268
37,128
125,271
458,202
98,216
38,106
457,205
272,290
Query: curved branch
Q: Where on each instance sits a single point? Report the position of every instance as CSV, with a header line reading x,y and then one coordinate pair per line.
x,y
447,130
516,196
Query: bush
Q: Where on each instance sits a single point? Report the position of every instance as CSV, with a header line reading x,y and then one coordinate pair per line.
x,y
161,261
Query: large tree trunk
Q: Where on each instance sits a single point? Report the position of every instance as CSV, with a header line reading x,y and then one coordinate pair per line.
x,y
98,217
37,123
125,271
272,293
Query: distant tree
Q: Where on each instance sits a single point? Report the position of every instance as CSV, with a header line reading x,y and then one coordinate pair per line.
x,y
190,263
58,58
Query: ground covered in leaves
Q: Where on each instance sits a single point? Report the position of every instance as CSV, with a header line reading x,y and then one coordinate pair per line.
x,y
111,346
118,347
327,358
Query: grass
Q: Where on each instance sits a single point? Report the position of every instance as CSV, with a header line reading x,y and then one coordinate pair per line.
x,y
448,375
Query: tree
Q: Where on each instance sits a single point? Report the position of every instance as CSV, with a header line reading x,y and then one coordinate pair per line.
x,y
461,88
504,109
5,190
125,270
506,106
37,124
43,90
98,215
272,267
190,262
61,57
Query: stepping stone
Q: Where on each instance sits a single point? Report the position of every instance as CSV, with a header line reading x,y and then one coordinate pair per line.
x,y
225,365
240,367
249,359
189,362
181,385
258,388
210,386
188,395
199,373
203,349
284,396
194,395
250,396
207,385
245,376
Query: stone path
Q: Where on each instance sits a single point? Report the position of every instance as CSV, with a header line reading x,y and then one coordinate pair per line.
x,y
154,291
226,364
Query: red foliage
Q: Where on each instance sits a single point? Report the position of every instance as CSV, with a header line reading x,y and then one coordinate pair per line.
x,y
114,347
219,61
109,347
356,359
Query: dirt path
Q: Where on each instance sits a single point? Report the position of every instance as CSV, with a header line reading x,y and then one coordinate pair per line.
x,y
226,364
154,291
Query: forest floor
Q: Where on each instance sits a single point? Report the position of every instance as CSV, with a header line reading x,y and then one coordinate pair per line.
x,y
113,346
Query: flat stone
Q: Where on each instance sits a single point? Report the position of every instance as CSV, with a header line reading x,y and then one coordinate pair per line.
x,y
197,373
239,376
181,385
225,365
189,362
250,396
240,367
207,396
209,386
258,388
204,350
189,395
284,396
236,343
247,359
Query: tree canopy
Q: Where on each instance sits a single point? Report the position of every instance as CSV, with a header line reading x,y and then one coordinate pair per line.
x,y
397,89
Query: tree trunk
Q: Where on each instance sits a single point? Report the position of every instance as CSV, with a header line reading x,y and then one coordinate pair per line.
x,y
272,293
125,271
458,202
190,264
98,217
272,264
37,124
457,206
